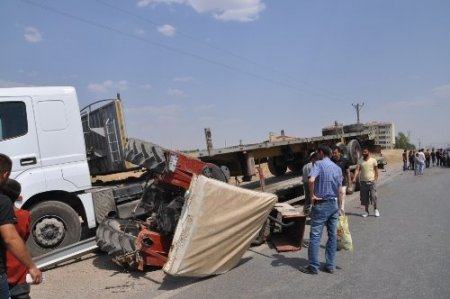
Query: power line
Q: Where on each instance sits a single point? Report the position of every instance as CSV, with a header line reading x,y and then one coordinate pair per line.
x,y
169,48
220,49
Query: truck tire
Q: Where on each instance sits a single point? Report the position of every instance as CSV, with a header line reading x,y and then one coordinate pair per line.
x,y
277,166
331,131
354,150
344,150
215,172
53,224
117,237
353,128
295,167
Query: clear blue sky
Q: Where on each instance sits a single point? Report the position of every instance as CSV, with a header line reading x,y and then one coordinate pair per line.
x,y
243,68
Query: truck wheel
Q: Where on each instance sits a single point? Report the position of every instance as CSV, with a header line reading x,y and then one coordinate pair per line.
x,y
118,237
354,150
353,128
215,172
277,166
53,224
343,149
295,167
331,131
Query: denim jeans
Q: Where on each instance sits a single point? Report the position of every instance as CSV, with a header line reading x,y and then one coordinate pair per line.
x,y
323,214
4,287
421,167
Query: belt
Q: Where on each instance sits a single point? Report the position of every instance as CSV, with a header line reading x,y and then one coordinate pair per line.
x,y
316,202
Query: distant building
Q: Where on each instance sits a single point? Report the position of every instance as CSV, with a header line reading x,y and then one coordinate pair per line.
x,y
384,133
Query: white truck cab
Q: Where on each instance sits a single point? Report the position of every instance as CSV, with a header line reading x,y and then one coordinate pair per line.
x,y
41,131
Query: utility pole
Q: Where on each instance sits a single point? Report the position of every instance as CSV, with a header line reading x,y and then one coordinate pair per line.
x,y
358,108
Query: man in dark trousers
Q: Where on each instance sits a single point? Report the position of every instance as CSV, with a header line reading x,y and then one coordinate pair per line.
x,y
9,238
325,184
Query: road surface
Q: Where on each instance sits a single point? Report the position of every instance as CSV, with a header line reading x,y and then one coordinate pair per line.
x,y
402,254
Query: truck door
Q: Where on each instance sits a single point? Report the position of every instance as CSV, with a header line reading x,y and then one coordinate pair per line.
x,y
18,138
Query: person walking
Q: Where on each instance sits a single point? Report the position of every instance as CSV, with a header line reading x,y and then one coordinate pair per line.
x,y
433,157
405,160
421,162
305,178
10,239
325,183
367,170
427,158
411,160
18,287
344,164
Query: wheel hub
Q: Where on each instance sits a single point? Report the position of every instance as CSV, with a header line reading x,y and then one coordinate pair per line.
x,y
49,232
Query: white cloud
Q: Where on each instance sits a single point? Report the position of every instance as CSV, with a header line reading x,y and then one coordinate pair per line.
x,y
183,79
139,32
108,86
175,92
32,35
442,91
240,11
225,10
167,30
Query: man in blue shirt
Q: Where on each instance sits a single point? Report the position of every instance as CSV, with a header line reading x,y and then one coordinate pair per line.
x,y
325,183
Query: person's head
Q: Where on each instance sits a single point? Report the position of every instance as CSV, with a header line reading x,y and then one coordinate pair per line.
x,y
336,153
12,189
312,157
365,152
404,151
5,168
323,151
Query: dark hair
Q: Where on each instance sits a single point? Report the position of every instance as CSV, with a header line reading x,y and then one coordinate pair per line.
x,y
5,163
12,189
325,149
335,147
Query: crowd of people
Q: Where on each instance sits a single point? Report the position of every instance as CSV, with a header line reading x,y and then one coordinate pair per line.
x,y
424,158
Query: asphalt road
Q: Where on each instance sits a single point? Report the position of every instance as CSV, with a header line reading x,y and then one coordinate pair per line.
x,y
402,254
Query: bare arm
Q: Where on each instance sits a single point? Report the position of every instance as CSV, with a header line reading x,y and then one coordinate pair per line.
x,y
356,174
17,247
311,190
375,169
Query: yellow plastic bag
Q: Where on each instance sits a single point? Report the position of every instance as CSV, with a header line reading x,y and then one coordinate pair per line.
x,y
344,239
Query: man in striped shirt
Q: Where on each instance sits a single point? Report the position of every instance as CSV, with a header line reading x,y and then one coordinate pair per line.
x,y
325,184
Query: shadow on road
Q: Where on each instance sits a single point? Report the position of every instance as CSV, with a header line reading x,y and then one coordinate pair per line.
x,y
175,282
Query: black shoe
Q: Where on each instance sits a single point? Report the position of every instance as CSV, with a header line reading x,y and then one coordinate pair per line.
x,y
308,270
329,271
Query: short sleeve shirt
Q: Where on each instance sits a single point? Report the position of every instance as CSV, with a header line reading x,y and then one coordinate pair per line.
x,y
328,178
6,217
344,164
367,169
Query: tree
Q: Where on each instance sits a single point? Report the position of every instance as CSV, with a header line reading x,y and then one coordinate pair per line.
x,y
402,141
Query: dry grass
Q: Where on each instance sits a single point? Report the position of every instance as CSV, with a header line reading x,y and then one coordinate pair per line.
x,y
393,156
